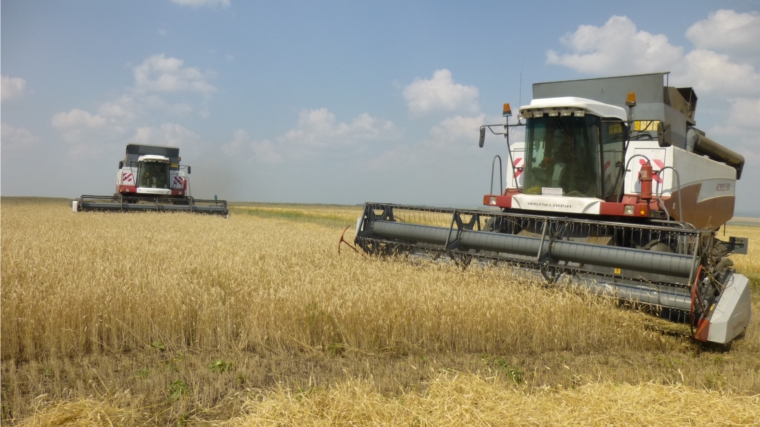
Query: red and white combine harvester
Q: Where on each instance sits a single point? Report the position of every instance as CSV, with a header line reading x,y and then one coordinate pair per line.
x,y
614,190
150,178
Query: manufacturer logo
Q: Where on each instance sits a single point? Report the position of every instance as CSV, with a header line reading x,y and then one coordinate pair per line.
x,y
550,205
723,187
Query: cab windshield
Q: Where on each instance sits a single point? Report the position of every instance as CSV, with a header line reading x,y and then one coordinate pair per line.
x,y
153,175
564,153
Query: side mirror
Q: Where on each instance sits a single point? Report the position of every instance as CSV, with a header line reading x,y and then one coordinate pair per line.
x,y
482,136
188,170
121,164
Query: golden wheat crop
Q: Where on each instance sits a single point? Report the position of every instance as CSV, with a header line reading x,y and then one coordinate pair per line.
x,y
193,314
99,282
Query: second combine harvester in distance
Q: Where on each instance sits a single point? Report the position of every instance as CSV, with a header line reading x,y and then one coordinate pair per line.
x,y
614,189
150,178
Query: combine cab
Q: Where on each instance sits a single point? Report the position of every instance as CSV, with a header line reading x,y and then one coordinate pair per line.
x,y
621,197
150,178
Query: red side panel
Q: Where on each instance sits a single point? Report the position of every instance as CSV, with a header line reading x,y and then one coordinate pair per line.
x,y
641,210
703,329
617,209
498,201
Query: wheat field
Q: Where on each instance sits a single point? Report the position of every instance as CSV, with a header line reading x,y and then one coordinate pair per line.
x,y
159,319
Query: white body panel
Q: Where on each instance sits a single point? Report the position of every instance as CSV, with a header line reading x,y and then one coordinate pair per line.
x,y
128,176
74,205
518,156
717,179
177,180
733,311
154,191
581,205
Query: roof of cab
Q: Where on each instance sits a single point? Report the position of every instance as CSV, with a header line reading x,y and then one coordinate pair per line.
x,y
589,105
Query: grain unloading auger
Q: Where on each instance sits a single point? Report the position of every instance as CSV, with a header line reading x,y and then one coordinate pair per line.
x,y
580,204
150,178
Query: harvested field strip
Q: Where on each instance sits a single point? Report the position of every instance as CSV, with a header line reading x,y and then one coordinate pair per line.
x,y
469,400
449,399
121,410
336,218
744,221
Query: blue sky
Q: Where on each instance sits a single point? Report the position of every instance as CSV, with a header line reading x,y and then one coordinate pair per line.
x,y
338,102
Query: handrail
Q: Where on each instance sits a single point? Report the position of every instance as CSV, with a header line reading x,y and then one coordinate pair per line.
x,y
501,176
678,183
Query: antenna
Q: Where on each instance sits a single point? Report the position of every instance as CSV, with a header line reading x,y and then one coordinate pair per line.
x,y
519,103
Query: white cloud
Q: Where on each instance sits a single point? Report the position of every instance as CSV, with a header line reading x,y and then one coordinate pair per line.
x,y
121,110
741,130
455,133
77,118
440,94
397,157
741,123
616,47
158,73
229,57
456,137
318,128
12,88
727,30
266,151
16,139
157,103
709,71
201,3
87,132
744,113
239,140
171,134
112,120
135,109
317,132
